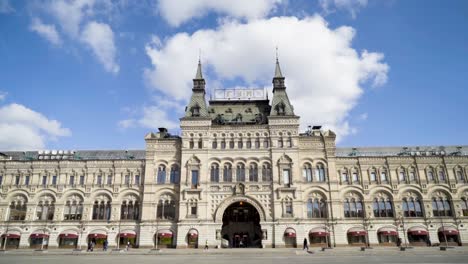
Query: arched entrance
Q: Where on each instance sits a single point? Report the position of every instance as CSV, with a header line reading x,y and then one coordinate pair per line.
x,y
241,225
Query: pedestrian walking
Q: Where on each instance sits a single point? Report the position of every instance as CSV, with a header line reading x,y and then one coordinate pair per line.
x,y
206,245
128,245
306,246
104,245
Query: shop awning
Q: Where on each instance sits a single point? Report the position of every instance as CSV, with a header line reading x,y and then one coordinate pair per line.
x,y
193,233
448,231
357,231
289,232
388,231
164,233
418,231
39,235
11,236
97,235
319,232
68,235
129,234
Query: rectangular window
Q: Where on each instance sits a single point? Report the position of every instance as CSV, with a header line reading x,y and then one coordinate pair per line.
x,y
249,144
441,175
214,144
71,180
402,176
127,179
411,176
430,176
344,177
280,143
383,176
1,179
26,180
194,178
54,180
193,210
355,177
286,177
44,180
373,177
200,144
231,144
257,143
137,179
240,144
99,179
109,180
17,180
81,179
289,209
223,144
265,143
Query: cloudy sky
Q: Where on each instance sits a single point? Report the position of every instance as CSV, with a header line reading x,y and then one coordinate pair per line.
x,y
100,74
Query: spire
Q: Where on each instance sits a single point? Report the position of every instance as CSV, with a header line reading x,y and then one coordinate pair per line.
x,y
278,73
199,75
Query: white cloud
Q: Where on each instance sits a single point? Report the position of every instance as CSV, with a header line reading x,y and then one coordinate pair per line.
x,y
176,12
100,38
352,6
46,31
5,7
324,74
70,13
24,129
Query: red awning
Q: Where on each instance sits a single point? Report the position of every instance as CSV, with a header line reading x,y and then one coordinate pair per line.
x,y
418,232
193,235
39,235
68,235
357,233
389,232
165,235
449,232
11,235
290,234
97,235
319,233
128,235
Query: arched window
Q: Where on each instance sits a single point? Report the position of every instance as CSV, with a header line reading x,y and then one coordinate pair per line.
x,y
355,176
223,144
383,207
166,208
102,210
266,143
464,206
344,176
240,144
214,177
200,143
412,207
288,207
430,174
441,174
45,210
280,109
353,207
175,174
412,174
253,173
227,172
73,209
240,172
320,173
441,205
161,179
196,110
130,210
266,172
316,208
231,144
383,175
401,175
18,209
214,144
460,175
373,175
248,143
307,172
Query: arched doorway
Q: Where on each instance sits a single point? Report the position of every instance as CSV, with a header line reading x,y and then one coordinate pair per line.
x,y
241,225
449,234
192,238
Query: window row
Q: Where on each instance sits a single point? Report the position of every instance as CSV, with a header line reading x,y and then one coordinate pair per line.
x,y
174,175
254,172
72,180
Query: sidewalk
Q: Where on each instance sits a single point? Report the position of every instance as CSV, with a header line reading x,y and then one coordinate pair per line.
x,y
340,251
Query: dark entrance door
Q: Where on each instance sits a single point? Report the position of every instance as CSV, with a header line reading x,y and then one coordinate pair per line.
x,y
241,226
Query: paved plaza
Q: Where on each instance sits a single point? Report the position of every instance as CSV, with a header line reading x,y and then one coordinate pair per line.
x,y
244,256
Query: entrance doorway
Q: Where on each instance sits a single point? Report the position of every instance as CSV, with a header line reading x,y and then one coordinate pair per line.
x,y
241,226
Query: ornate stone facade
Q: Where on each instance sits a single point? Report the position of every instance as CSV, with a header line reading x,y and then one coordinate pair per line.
x,y
253,181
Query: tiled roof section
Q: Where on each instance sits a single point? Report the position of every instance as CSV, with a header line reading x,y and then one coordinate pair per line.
x,y
403,151
76,155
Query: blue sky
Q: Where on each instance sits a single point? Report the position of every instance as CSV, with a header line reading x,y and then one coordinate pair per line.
x,y
101,74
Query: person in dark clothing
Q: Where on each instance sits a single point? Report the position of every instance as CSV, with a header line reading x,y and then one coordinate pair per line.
x,y
398,242
429,242
305,244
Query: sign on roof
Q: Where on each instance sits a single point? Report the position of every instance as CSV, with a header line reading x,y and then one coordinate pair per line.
x,y
239,94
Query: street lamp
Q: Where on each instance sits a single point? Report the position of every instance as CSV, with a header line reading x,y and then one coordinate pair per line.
x,y
443,231
6,236
366,224
401,220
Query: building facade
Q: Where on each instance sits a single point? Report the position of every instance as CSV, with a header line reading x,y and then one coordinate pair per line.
x,y
241,174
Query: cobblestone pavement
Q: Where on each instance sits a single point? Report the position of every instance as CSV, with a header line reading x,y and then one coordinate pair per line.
x,y
243,256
